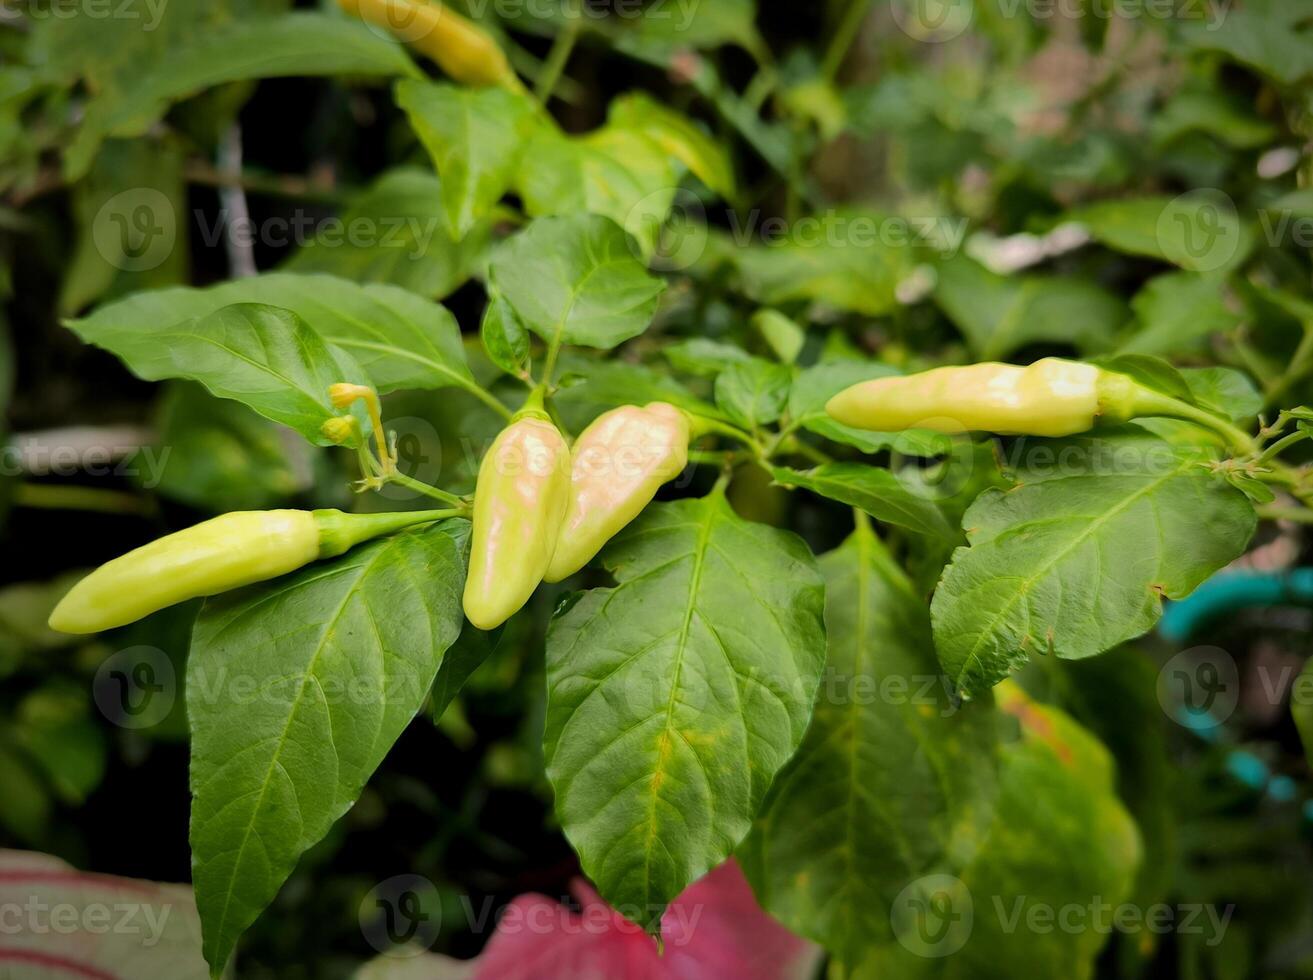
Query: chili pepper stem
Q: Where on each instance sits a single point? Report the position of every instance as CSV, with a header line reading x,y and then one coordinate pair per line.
x,y
1282,444
1149,402
339,532
419,486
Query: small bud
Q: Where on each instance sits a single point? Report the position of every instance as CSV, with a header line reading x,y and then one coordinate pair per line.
x,y
344,394
341,429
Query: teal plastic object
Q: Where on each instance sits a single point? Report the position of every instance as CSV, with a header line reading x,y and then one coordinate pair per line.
x,y
1229,592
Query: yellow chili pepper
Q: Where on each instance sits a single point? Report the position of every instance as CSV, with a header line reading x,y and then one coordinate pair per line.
x,y
1052,397
214,556
463,50
617,466
520,500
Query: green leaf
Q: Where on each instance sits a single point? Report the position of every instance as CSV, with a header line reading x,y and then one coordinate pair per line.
x,y
1177,311
265,357
1301,708
1078,557
475,137
400,339
394,232
841,263
893,781
754,392
131,223
301,43
675,697
618,173
576,280
1266,40
600,385
296,690
1224,391
668,28
1001,314
702,357
1055,785
1214,113
504,338
55,726
784,337
222,456
874,490
679,136
1199,231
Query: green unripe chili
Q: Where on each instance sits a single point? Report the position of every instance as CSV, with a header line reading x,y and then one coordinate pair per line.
x,y
214,556
519,502
1051,397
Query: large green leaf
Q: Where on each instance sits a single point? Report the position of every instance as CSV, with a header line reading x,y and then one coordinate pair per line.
x,y
838,260
400,339
296,690
302,43
1199,231
893,780
620,173
576,280
475,136
263,356
1078,557
395,232
679,136
1265,38
217,455
675,697
875,490
1177,311
1001,915
131,221
753,392
1000,314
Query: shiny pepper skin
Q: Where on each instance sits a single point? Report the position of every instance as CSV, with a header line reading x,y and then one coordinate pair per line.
x,y
214,556
520,500
461,48
617,465
1052,397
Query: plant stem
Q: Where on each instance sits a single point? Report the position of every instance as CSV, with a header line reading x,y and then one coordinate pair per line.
x,y
401,479
1282,444
45,496
1298,367
562,46
843,38
1150,402
1300,515
490,400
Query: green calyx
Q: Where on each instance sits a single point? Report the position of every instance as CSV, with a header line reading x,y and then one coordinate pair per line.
x,y
339,532
1122,398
